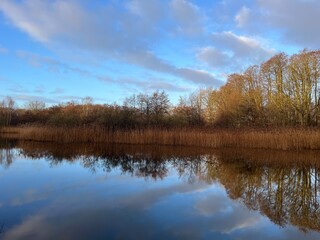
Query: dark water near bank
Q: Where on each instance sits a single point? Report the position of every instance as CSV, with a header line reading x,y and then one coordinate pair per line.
x,y
141,192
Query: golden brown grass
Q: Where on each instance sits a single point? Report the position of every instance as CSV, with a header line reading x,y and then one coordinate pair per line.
x,y
283,139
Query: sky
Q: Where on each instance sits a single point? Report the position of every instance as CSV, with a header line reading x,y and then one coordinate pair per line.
x,y
62,50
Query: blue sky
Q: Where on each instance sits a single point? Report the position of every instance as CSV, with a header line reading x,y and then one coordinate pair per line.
x,y
61,50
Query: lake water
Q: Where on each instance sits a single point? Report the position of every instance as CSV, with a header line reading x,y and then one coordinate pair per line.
x,y
51,191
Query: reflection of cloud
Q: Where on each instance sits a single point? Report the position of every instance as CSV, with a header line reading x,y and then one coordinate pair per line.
x,y
123,217
35,227
226,215
124,207
212,204
29,196
94,224
146,198
46,192
164,212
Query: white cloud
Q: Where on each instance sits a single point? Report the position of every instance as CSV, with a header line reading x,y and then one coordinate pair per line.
x,y
68,23
151,10
57,91
242,46
242,16
124,36
232,52
28,98
17,88
152,84
43,20
51,64
3,50
188,16
150,61
299,19
213,57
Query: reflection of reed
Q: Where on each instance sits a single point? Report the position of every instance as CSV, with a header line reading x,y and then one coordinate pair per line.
x,y
284,186
260,157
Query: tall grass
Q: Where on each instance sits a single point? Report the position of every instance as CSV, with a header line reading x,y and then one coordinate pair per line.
x,y
282,139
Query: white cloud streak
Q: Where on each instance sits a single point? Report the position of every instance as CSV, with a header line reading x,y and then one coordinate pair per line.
x,y
124,36
3,50
188,16
298,19
232,52
242,16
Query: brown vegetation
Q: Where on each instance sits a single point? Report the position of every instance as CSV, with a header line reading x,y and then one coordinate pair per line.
x,y
285,139
282,93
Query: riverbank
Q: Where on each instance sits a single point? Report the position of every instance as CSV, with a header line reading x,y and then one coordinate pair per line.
x,y
280,139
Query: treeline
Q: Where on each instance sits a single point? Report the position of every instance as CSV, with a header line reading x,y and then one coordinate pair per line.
x,y
137,112
283,91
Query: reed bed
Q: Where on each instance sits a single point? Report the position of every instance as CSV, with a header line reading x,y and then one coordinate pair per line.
x,y
283,139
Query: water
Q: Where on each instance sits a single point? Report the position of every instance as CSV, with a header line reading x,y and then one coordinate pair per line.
x,y
126,192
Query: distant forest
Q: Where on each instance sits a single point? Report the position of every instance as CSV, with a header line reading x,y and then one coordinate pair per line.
x,y
281,92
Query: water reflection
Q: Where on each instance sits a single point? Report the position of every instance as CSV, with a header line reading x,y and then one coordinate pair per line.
x,y
6,152
282,186
141,161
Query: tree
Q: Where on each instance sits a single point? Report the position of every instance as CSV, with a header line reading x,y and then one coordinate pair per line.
x,y
274,74
159,105
35,105
304,79
6,110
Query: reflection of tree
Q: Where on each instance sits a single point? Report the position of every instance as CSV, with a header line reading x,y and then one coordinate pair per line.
x,y
133,165
192,168
7,153
142,161
284,195
283,186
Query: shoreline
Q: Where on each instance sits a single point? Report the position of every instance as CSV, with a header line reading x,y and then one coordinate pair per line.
x,y
277,139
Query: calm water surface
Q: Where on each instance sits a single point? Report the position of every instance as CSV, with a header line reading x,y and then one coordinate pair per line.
x,y
125,192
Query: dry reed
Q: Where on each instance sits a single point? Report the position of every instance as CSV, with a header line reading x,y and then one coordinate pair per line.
x,y
283,139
